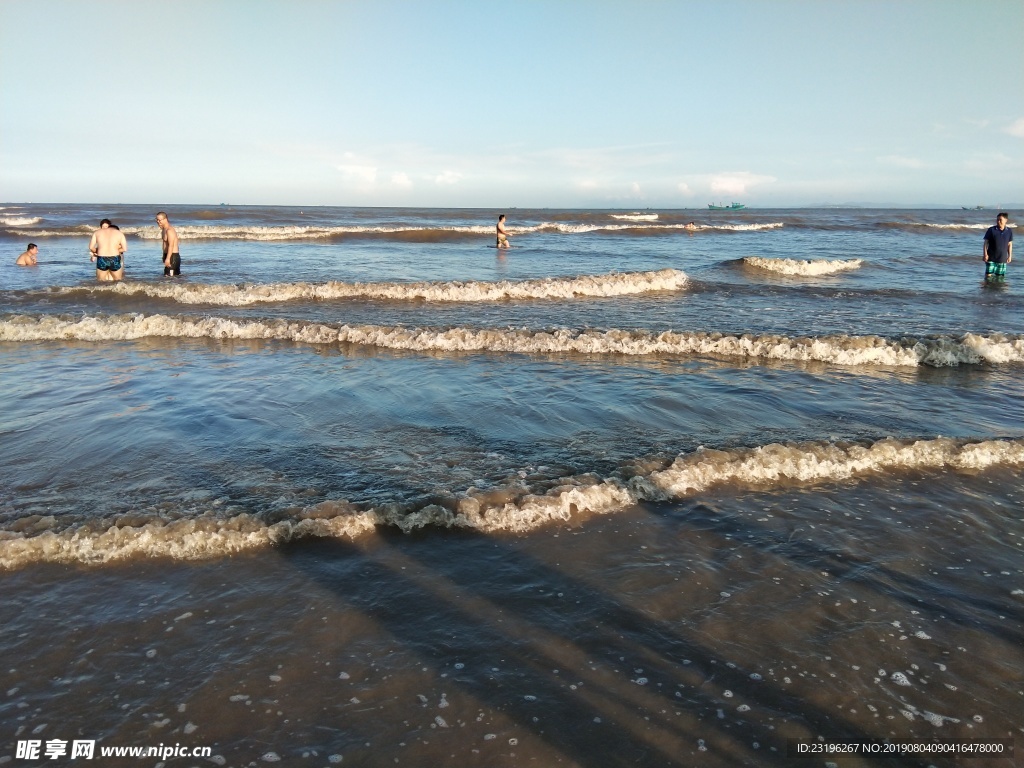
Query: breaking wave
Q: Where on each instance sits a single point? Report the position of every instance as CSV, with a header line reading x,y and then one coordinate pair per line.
x,y
612,284
635,216
937,351
408,232
803,267
917,225
958,226
19,221
509,508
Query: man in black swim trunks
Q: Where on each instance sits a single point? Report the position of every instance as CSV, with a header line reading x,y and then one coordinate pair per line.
x,y
172,259
108,247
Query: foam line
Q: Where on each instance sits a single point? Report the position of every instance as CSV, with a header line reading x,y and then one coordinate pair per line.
x,y
635,216
509,509
803,267
613,284
936,351
314,232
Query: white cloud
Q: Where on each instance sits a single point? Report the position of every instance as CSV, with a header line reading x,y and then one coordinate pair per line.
x,y
357,170
684,189
401,180
367,174
634,189
448,177
1016,128
736,183
901,162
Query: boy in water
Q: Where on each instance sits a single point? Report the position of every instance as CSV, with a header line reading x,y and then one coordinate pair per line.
x,y
28,258
502,234
997,249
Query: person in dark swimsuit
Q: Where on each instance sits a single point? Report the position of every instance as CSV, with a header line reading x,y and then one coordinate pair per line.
x,y
107,248
108,263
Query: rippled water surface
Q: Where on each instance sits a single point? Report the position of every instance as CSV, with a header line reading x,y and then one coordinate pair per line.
x,y
360,489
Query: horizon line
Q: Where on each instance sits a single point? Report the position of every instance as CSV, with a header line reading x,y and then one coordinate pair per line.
x,y
876,205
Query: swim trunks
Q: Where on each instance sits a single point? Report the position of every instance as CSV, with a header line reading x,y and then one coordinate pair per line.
x,y
501,240
995,270
175,269
108,263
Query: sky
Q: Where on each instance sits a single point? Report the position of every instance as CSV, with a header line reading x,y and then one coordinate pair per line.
x,y
479,104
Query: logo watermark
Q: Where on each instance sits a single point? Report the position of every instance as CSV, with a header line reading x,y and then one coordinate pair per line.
x,y
85,749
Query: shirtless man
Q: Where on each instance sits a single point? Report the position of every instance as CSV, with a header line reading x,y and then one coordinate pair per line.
x,y
172,259
502,234
108,247
28,258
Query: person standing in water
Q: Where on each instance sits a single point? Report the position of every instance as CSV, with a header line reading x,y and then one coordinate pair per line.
x,y
997,249
107,249
28,258
172,259
502,234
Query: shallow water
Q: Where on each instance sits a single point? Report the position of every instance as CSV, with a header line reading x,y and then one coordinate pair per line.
x,y
360,490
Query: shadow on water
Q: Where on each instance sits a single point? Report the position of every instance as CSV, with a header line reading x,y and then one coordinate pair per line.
x,y
966,610
647,694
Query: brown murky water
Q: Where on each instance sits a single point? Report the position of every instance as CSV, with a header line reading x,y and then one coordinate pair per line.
x,y
701,633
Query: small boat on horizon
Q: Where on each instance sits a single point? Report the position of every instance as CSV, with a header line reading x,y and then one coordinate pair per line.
x,y
730,207
975,208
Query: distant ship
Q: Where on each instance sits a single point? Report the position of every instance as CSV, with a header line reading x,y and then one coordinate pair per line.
x,y
730,207
975,208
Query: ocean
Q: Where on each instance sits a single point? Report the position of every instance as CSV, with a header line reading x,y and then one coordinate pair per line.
x,y
361,489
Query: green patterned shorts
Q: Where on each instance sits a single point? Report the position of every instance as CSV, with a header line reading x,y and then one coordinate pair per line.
x,y
995,270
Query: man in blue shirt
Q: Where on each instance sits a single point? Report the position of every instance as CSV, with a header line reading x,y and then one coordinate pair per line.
x,y
997,249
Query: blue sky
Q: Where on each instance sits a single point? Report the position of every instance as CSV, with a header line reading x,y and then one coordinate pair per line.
x,y
579,104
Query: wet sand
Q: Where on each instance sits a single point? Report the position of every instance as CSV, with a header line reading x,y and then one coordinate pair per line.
x,y
704,633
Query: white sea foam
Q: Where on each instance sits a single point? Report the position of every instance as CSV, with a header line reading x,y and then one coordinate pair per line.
x,y
813,462
512,508
313,232
803,267
78,231
191,539
306,232
19,221
937,351
635,216
293,232
614,284
741,227
956,226
583,228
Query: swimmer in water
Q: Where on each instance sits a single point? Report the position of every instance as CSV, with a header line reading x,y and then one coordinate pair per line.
x,y
501,241
28,258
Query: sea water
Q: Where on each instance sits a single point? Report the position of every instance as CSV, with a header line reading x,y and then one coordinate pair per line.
x,y
360,488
